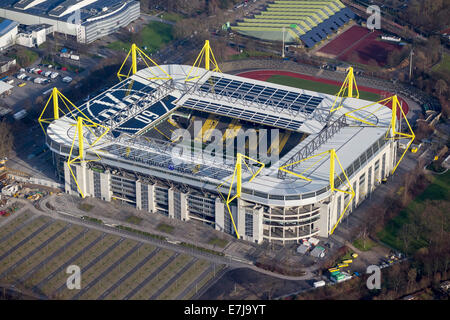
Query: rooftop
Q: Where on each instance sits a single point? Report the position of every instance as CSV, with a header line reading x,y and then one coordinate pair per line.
x,y
62,9
134,105
6,26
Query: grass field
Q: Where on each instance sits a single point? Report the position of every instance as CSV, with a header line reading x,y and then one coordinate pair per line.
x,y
170,16
36,253
444,65
317,86
364,245
154,36
439,189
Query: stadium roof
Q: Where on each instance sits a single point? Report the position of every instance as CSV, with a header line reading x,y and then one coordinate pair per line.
x,y
136,104
62,9
307,21
6,26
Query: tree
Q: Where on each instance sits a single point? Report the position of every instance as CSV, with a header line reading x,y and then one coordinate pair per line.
x,y
441,86
6,141
412,275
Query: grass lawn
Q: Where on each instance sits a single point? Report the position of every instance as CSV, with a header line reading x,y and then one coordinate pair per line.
x,y
247,54
317,86
444,65
134,220
24,57
173,17
437,190
165,228
218,242
154,36
363,245
85,207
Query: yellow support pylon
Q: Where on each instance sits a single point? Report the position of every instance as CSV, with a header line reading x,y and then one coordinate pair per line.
x,y
79,136
237,178
136,52
392,130
399,135
333,158
207,55
55,97
348,84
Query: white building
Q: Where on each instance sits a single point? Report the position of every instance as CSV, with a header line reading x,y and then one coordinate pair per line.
x,y
8,33
33,36
87,20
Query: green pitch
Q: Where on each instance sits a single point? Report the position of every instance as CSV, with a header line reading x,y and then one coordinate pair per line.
x,y
318,86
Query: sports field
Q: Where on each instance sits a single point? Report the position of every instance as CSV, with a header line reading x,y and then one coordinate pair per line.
x,y
37,250
317,86
359,45
312,83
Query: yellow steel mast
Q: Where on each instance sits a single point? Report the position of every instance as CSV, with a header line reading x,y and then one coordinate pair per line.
x,y
207,55
135,53
237,179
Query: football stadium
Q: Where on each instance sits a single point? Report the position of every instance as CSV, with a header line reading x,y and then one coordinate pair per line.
x,y
307,22
261,161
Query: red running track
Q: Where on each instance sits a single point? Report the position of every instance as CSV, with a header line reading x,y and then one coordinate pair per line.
x,y
263,75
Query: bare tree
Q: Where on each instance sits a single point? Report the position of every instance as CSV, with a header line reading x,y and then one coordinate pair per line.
x,y
7,139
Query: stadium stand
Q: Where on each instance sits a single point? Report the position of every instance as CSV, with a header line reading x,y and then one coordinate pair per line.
x,y
305,21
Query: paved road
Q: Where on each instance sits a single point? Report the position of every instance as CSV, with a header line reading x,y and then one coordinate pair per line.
x,y
129,273
35,250
69,262
93,262
53,255
173,279
151,276
108,270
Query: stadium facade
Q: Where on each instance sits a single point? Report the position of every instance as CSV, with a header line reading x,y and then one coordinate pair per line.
x,y
132,157
87,20
305,21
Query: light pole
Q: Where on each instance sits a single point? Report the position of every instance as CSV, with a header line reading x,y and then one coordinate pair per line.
x,y
282,49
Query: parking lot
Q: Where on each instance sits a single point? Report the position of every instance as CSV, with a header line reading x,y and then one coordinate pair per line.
x,y
38,249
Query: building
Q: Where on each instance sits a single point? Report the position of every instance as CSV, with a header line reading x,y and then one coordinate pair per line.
x,y
307,22
5,89
87,20
142,160
6,64
8,32
34,35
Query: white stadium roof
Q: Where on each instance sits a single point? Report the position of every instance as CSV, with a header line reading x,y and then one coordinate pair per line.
x,y
137,103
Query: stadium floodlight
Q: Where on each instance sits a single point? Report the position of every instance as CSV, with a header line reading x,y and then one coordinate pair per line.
x,y
237,178
207,55
56,95
136,52
346,90
80,137
333,158
392,130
